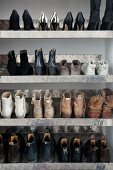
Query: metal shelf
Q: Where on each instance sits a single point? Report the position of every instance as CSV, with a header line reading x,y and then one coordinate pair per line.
x,y
56,122
54,34
57,166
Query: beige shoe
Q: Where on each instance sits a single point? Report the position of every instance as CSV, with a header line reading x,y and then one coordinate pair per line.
x,y
79,105
48,105
37,103
65,105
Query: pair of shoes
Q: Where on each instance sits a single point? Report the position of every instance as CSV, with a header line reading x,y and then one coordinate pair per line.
x,y
97,151
25,67
78,25
92,68
54,22
40,68
7,106
15,19
79,105
74,70
48,105
101,105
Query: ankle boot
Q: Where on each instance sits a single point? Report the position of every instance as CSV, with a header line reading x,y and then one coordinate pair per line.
x,y
12,67
94,19
25,66
2,149
40,67
79,22
54,22
68,22
48,105
28,22
52,66
7,105
107,21
75,67
21,107
43,22
37,104
13,149
64,68
14,21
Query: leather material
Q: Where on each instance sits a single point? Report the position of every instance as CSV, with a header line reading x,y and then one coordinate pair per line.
x,y
14,21
28,22
75,67
43,22
68,22
54,22
64,68
79,22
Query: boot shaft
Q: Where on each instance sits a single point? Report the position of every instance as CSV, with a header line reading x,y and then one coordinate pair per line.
x,y
23,56
95,5
52,55
39,61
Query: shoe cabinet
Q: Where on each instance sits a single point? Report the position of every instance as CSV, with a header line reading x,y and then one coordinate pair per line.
x,y
70,45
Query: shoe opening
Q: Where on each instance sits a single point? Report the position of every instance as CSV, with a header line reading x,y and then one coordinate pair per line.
x,y
76,142
64,142
6,95
13,139
30,138
47,137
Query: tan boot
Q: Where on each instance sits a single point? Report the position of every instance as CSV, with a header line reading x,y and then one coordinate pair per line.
x,y
79,105
48,105
65,105
37,103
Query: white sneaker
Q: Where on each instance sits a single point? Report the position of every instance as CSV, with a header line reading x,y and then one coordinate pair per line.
x,y
7,105
88,68
102,68
21,107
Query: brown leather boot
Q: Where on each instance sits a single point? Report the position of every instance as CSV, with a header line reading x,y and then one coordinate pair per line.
x,y
79,105
65,105
37,103
48,105
95,106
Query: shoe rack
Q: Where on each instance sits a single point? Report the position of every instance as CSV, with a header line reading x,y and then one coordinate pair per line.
x,y
69,45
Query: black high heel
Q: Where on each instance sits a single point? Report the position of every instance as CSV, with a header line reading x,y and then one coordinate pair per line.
x,y
14,21
68,22
79,22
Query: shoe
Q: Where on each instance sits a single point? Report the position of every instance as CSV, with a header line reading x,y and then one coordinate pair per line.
x,y
48,105
31,151
108,104
79,105
88,68
43,22
107,20
2,149
7,105
21,107
95,106
47,149
66,106
14,21
54,22
52,66
12,67
68,22
104,153
64,68
13,149
75,67
63,150
76,150
37,104
94,20
25,66
79,22
102,68
28,22
40,67
91,150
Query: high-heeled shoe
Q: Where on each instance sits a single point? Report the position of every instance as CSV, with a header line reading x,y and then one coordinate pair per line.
x,y
79,22
68,22
43,22
14,21
54,22
28,22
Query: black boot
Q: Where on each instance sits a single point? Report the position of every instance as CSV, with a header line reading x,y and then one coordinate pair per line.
x,y
68,22
14,21
40,67
52,66
79,22
12,67
54,22
107,21
94,19
25,66
28,22
43,22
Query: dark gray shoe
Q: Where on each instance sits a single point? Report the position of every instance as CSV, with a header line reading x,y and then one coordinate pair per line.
x,y
64,68
75,67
